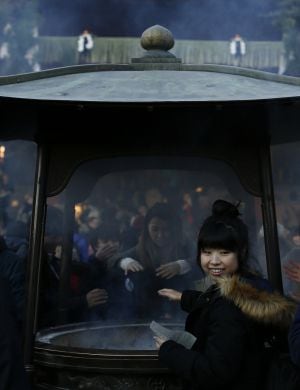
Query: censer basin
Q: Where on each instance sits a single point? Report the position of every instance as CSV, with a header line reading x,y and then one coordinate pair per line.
x,y
108,337
100,356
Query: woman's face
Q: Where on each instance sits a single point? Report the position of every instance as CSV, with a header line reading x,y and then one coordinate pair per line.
x,y
159,231
218,262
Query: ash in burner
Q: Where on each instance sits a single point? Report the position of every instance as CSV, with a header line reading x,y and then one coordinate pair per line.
x,y
109,337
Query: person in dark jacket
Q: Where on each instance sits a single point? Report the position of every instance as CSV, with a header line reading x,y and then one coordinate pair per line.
x,y
162,257
16,238
231,319
13,269
12,372
83,297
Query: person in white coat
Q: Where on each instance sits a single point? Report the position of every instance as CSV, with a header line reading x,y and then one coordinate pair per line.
x,y
85,45
237,49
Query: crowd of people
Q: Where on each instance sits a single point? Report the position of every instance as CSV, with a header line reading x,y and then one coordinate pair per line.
x,y
117,274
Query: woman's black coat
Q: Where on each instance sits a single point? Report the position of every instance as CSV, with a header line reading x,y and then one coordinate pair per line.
x,y
229,350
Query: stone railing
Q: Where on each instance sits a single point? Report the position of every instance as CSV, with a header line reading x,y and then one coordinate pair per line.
x,y
62,51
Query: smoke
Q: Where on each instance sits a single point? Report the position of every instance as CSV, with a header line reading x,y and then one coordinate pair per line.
x,y
19,166
187,19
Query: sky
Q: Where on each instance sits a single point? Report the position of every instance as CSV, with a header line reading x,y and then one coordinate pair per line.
x,y
187,19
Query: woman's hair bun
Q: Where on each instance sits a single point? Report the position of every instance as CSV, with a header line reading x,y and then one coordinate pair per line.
x,y
222,208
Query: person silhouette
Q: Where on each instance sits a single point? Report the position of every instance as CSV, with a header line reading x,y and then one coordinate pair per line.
x,y
85,45
237,49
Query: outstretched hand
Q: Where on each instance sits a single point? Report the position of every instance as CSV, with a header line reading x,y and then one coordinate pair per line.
x,y
172,295
106,251
130,265
168,271
96,297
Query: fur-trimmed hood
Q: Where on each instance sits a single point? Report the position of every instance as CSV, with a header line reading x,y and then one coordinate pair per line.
x,y
263,306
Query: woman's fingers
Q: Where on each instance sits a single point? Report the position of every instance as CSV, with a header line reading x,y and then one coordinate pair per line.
x,y
96,297
173,295
135,266
168,270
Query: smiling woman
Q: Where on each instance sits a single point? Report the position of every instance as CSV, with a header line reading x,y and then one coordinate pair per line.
x,y
223,242
218,262
229,319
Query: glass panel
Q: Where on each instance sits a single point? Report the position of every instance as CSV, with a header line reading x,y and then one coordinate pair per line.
x,y
286,160
107,217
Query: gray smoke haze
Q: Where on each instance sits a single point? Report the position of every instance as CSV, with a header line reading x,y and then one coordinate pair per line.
x,y
187,19
19,165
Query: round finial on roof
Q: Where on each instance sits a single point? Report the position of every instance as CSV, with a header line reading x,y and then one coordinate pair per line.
x,y
157,38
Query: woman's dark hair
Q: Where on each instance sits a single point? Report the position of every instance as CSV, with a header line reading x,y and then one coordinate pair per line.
x,y
225,230
165,212
162,211
145,247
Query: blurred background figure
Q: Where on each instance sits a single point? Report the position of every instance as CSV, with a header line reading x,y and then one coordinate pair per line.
x,y
84,295
32,52
12,373
7,36
17,238
162,257
285,244
237,49
85,45
89,222
6,192
12,268
105,243
291,268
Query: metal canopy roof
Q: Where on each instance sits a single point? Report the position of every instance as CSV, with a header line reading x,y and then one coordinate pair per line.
x,y
187,84
155,94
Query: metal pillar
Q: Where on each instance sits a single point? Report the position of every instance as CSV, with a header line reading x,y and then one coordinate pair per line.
x,y
66,261
35,257
270,220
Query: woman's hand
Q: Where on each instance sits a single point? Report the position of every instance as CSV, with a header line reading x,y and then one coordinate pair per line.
x,y
106,251
168,271
292,270
172,295
96,297
159,341
128,264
